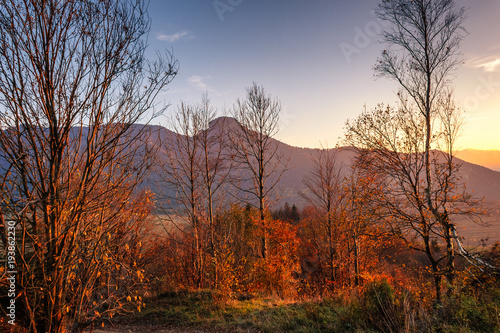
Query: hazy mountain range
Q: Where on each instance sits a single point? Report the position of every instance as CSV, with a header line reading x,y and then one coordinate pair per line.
x,y
476,172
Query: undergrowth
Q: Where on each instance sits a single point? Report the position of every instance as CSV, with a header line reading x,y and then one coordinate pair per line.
x,y
376,307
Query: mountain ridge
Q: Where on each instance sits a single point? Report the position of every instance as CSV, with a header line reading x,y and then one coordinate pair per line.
x,y
480,180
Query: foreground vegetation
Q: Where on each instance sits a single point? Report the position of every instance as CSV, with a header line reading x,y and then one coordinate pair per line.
x,y
377,307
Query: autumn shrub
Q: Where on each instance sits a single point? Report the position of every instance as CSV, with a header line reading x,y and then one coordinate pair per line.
x,y
275,274
225,273
235,251
233,266
170,263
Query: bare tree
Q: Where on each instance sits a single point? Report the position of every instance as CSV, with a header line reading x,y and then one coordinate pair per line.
x,y
194,172
213,141
255,150
345,205
73,81
426,35
391,146
182,175
362,217
424,38
215,167
325,194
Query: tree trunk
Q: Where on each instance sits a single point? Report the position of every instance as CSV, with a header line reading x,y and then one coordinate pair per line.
x,y
356,261
450,253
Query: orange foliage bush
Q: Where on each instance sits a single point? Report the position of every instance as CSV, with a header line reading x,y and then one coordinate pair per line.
x,y
275,274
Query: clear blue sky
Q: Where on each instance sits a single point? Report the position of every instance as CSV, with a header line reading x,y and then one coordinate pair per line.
x,y
316,57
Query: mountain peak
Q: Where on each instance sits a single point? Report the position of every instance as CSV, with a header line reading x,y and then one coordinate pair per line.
x,y
224,122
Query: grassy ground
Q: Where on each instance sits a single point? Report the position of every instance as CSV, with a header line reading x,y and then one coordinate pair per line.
x,y
375,309
199,312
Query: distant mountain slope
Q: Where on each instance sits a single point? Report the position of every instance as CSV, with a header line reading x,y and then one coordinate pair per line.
x,y
483,182
486,158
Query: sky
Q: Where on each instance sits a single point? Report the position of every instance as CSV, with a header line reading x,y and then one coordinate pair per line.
x,y
316,57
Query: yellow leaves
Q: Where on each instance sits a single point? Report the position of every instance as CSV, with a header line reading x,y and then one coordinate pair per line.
x,y
140,275
129,299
